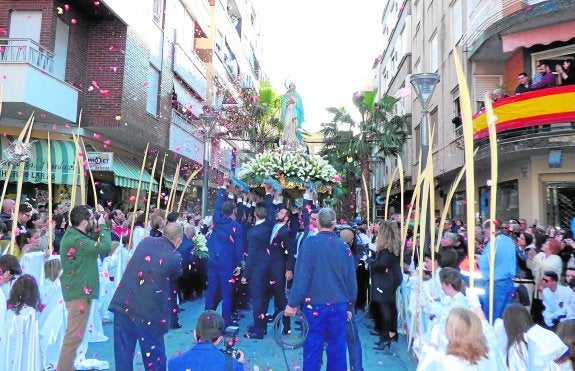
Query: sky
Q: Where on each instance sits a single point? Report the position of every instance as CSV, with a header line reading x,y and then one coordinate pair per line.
x,y
326,46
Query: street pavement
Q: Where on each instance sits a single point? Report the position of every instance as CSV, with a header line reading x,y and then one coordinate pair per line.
x,y
261,355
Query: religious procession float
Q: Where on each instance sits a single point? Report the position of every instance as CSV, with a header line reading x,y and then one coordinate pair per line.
x,y
290,169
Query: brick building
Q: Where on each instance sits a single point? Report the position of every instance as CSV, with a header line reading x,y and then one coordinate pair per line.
x,y
138,71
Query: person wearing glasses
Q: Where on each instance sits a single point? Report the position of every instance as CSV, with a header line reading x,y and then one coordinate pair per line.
x,y
555,299
9,268
24,214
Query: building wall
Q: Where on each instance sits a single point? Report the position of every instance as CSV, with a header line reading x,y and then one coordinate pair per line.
x,y
48,31
513,67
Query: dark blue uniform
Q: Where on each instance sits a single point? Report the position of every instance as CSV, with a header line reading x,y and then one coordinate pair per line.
x,y
202,357
141,303
325,285
225,247
282,259
258,260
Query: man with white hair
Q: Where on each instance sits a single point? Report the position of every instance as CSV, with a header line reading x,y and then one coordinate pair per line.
x,y
325,285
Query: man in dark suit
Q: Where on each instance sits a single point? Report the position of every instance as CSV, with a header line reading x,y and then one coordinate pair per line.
x,y
257,263
141,304
225,247
282,261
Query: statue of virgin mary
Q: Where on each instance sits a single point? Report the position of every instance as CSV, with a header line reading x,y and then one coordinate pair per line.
x,y
292,116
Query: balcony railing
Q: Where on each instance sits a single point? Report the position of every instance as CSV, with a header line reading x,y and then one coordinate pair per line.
x,y
186,124
552,106
26,51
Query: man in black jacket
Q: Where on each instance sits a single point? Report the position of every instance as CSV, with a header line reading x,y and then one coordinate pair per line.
x,y
257,264
141,303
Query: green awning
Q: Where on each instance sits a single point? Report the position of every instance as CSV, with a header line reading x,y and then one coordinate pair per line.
x,y
169,183
36,170
127,174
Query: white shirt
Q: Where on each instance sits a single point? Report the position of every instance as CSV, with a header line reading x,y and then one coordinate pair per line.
x,y
552,300
2,321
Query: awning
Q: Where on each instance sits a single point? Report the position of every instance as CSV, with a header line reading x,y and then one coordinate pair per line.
x,y
127,174
36,170
545,36
169,183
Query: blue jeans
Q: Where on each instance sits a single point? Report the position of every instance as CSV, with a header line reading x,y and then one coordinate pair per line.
x,y
503,291
126,333
354,344
220,290
327,323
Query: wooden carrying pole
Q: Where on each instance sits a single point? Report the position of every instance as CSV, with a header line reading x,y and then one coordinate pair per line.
x,y
467,119
150,192
91,176
175,183
186,187
159,199
137,196
491,122
50,226
26,132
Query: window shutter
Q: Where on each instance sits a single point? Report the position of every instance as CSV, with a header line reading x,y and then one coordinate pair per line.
x,y
483,83
25,24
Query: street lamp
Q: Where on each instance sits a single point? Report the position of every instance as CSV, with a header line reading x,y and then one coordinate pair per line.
x,y
424,85
208,122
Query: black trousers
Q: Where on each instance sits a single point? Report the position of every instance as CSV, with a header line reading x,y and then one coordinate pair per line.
x,y
277,281
388,312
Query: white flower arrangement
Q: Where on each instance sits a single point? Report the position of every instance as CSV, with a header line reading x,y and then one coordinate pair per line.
x,y
201,248
296,167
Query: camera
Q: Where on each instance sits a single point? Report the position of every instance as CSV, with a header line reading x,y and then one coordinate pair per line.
x,y
230,334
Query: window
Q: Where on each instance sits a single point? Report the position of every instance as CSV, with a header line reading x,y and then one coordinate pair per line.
x,y
456,21
507,200
433,53
417,135
158,11
153,91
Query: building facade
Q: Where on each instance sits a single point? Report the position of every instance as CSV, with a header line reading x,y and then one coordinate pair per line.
x,y
497,40
136,72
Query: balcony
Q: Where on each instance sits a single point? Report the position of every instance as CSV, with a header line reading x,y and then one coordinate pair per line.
x,y
494,21
191,69
30,85
535,120
200,11
185,138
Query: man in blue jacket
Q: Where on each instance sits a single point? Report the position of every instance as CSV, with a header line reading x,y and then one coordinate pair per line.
x,y
325,285
225,247
205,355
141,304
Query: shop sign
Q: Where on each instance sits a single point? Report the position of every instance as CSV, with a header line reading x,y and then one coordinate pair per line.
x,y
101,161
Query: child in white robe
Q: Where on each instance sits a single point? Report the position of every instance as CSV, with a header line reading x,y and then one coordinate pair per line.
x,y
22,351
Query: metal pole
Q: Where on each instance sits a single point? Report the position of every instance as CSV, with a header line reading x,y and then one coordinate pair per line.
x,y
424,139
208,125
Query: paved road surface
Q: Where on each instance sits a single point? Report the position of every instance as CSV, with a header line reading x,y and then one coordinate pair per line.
x,y
262,355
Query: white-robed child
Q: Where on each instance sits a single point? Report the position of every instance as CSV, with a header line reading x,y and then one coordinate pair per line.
x,y
52,320
107,271
22,351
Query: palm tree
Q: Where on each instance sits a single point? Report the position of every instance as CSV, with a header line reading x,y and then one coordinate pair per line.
x,y
257,120
380,133
336,150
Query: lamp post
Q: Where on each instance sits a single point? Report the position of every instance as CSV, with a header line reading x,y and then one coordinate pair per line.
x,y
208,122
424,85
